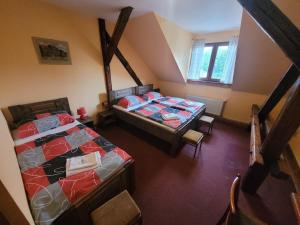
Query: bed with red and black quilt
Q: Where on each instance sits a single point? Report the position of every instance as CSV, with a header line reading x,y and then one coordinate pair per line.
x,y
156,111
43,144
173,112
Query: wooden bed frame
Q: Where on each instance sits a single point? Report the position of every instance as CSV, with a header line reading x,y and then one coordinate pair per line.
x,y
79,213
173,138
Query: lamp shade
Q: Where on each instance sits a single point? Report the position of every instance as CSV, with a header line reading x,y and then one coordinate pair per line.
x,y
82,112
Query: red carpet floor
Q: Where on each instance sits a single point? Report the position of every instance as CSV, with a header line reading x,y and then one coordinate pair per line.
x,y
183,191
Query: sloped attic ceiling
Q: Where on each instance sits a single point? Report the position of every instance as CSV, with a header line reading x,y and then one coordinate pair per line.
x,y
145,34
192,15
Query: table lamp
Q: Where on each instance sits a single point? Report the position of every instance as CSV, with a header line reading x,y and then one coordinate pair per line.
x,y
82,113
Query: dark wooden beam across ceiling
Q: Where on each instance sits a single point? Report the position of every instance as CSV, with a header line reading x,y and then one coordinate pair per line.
x,y
276,25
118,31
125,63
109,47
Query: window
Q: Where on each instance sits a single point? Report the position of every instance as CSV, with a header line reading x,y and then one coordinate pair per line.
x,y
213,62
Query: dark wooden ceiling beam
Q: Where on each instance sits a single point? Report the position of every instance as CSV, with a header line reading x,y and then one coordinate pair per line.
x,y
104,47
287,36
280,90
109,47
276,25
284,127
118,31
125,63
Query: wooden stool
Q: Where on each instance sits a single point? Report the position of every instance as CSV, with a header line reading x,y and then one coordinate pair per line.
x,y
120,210
194,138
209,121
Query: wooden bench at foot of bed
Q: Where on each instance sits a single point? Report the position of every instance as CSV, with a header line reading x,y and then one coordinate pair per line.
x,y
79,213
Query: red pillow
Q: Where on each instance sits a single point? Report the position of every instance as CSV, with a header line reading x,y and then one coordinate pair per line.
x,y
130,100
45,122
65,118
151,95
42,115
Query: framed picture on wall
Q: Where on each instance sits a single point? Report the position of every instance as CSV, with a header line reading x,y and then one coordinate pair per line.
x,y
51,51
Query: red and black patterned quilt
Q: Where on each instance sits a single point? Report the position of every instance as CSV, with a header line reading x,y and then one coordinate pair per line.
x,y
155,111
180,103
43,162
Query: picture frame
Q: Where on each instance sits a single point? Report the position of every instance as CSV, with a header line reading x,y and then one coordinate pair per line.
x,y
50,51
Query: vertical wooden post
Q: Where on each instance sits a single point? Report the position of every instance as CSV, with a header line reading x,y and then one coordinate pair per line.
x,y
104,47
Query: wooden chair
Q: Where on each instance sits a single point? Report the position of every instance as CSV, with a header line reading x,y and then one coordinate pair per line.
x,y
233,215
120,210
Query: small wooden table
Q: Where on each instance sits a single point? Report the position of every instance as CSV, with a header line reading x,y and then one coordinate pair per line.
x,y
106,118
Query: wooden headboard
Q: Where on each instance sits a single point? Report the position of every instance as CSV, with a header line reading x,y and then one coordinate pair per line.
x,y
19,112
140,90
115,95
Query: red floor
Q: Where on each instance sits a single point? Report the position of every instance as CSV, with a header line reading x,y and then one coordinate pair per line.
x,y
183,191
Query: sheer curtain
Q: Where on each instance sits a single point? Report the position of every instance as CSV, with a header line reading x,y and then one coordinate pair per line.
x,y
227,77
196,59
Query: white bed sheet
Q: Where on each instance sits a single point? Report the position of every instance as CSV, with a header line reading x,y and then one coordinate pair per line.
x,y
43,134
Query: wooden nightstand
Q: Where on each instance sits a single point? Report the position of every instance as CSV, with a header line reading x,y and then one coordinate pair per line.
x,y
156,90
106,118
88,121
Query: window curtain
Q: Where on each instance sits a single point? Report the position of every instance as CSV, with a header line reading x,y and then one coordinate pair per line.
x,y
196,59
227,77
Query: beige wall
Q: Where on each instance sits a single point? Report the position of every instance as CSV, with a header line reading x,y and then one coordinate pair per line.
x,y
291,9
23,79
146,36
10,174
179,41
260,63
238,104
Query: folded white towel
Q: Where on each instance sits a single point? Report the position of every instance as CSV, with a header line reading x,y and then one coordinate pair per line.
x,y
83,163
169,116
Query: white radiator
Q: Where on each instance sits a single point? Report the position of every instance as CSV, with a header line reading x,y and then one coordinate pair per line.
x,y
213,106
